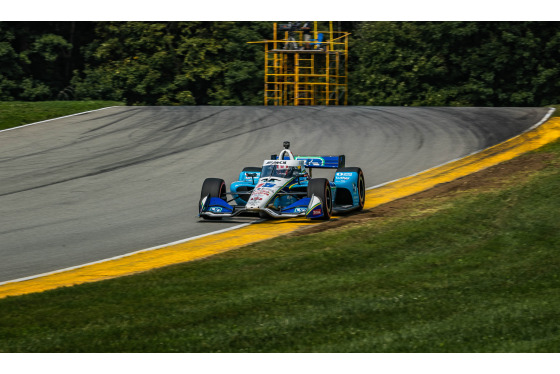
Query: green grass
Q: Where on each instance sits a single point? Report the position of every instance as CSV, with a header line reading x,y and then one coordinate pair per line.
x,y
17,113
557,111
474,272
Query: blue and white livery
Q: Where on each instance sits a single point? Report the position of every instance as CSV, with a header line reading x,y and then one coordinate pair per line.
x,y
284,188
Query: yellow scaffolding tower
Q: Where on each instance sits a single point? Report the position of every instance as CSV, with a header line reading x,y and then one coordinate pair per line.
x,y
306,66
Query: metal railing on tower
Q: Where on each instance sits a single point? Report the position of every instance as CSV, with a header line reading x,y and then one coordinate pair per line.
x,y
305,65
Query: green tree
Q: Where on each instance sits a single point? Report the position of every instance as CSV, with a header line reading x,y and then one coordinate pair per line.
x,y
456,63
38,58
211,63
10,72
172,63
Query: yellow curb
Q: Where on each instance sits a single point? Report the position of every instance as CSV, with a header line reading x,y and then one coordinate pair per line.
x,y
531,140
156,258
213,244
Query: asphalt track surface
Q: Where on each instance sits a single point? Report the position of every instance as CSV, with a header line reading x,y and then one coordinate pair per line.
x,y
101,184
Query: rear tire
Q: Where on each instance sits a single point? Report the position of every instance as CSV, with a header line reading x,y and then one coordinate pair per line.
x,y
321,188
213,187
361,184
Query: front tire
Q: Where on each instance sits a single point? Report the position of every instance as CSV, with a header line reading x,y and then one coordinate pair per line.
x,y
212,187
321,188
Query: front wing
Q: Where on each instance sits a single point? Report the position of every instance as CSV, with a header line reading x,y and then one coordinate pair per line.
x,y
214,207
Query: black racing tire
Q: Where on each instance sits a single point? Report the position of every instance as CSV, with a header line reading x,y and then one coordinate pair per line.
x,y
213,187
361,184
321,188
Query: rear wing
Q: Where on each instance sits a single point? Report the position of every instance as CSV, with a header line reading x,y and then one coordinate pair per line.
x,y
319,162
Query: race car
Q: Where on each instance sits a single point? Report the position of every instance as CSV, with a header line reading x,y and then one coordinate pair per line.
x,y
284,188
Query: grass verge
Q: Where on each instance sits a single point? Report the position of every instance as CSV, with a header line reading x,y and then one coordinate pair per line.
x,y
473,270
557,112
17,113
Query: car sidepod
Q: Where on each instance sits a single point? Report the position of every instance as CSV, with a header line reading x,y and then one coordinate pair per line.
x,y
242,188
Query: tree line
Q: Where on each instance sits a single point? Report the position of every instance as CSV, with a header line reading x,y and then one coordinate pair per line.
x,y
211,63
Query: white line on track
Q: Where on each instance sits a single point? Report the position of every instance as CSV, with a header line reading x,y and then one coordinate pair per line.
x,y
128,254
54,119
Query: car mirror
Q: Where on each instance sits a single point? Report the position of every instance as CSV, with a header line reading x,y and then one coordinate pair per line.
x,y
252,176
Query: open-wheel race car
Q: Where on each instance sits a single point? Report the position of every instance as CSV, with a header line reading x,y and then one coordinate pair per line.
x,y
284,188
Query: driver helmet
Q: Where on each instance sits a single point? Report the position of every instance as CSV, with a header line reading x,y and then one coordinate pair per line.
x,y
282,170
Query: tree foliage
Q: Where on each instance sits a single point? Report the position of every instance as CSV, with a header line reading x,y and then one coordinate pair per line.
x,y
174,63
457,63
38,58
211,63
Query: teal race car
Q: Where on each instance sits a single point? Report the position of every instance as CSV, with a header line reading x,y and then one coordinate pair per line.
x,y
284,188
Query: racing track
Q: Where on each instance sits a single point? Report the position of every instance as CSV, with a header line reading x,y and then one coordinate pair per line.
x,y
97,185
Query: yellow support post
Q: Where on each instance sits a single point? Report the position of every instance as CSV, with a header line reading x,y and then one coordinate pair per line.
x,y
299,73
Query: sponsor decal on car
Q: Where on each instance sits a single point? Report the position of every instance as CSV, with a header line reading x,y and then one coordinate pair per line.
x,y
261,191
312,161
